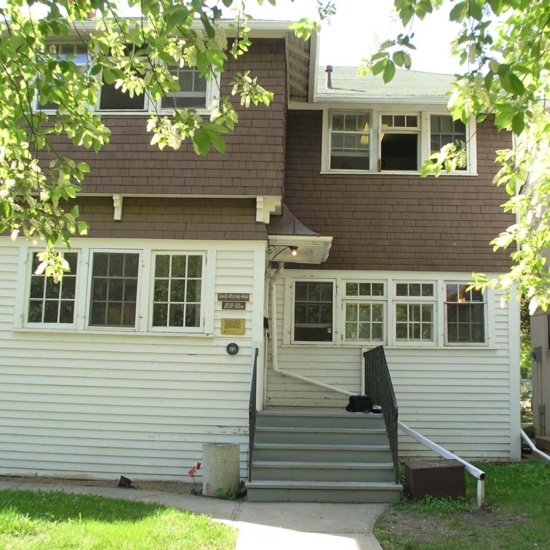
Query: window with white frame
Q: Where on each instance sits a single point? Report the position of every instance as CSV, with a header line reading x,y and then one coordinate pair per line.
x,y
77,52
177,290
379,140
399,142
114,285
350,141
50,302
465,314
192,92
414,312
445,130
364,311
313,311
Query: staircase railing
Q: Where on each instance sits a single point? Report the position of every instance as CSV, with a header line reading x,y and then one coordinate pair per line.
x,y
379,387
252,411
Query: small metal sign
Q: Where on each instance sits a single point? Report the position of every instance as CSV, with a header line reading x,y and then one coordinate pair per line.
x,y
233,326
234,305
233,297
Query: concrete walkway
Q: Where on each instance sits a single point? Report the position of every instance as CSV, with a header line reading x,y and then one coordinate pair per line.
x,y
262,526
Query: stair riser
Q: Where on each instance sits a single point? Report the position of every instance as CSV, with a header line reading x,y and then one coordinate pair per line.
x,y
317,438
322,455
351,421
312,495
321,474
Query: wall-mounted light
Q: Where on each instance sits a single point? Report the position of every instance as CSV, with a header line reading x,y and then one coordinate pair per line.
x,y
293,250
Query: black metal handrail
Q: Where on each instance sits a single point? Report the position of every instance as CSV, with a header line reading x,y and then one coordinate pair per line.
x,y
379,387
252,414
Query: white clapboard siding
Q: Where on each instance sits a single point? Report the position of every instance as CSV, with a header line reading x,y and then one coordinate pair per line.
x,y
462,398
142,405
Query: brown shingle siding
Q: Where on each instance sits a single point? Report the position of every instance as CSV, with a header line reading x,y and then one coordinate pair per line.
x,y
252,165
212,219
387,222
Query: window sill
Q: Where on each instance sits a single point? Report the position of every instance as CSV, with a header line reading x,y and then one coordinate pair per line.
x,y
407,173
106,331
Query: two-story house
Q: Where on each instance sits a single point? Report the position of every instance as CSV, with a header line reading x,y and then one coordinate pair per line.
x,y
311,240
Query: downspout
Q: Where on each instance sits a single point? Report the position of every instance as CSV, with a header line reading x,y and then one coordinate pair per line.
x,y
274,355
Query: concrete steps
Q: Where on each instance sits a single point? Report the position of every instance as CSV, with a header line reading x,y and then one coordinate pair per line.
x,y
321,455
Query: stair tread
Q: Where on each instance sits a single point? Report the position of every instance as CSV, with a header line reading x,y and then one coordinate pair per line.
x,y
331,465
276,429
349,485
316,446
320,413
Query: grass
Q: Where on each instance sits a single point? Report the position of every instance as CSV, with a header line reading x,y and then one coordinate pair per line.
x,y
515,516
43,520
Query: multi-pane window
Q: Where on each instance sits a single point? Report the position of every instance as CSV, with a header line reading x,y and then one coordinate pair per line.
x,y
313,311
382,139
445,130
349,141
77,53
399,142
192,93
51,302
465,314
114,286
177,290
364,311
414,312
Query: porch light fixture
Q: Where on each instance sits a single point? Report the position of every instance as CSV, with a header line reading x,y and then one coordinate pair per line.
x,y
293,250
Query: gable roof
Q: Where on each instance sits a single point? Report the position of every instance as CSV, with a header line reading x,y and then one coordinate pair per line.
x,y
406,86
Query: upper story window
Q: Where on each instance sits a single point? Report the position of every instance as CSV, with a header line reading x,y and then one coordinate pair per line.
x,y
465,315
399,142
195,93
76,52
193,89
378,140
50,302
350,141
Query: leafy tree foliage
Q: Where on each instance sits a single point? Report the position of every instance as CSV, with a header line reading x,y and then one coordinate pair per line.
x,y
133,54
504,48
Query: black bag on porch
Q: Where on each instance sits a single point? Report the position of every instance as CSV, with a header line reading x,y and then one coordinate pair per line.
x,y
359,403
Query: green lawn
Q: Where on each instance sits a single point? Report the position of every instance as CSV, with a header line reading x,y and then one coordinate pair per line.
x,y
515,516
42,520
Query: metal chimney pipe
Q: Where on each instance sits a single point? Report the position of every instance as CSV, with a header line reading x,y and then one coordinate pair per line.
x,y
328,70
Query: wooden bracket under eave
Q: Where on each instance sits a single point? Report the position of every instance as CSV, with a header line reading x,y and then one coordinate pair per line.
x,y
117,204
265,206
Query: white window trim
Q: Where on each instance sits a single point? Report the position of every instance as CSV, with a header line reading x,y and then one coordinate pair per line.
x,y
149,105
345,299
431,300
144,293
26,259
149,313
390,299
375,112
139,293
290,295
486,324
